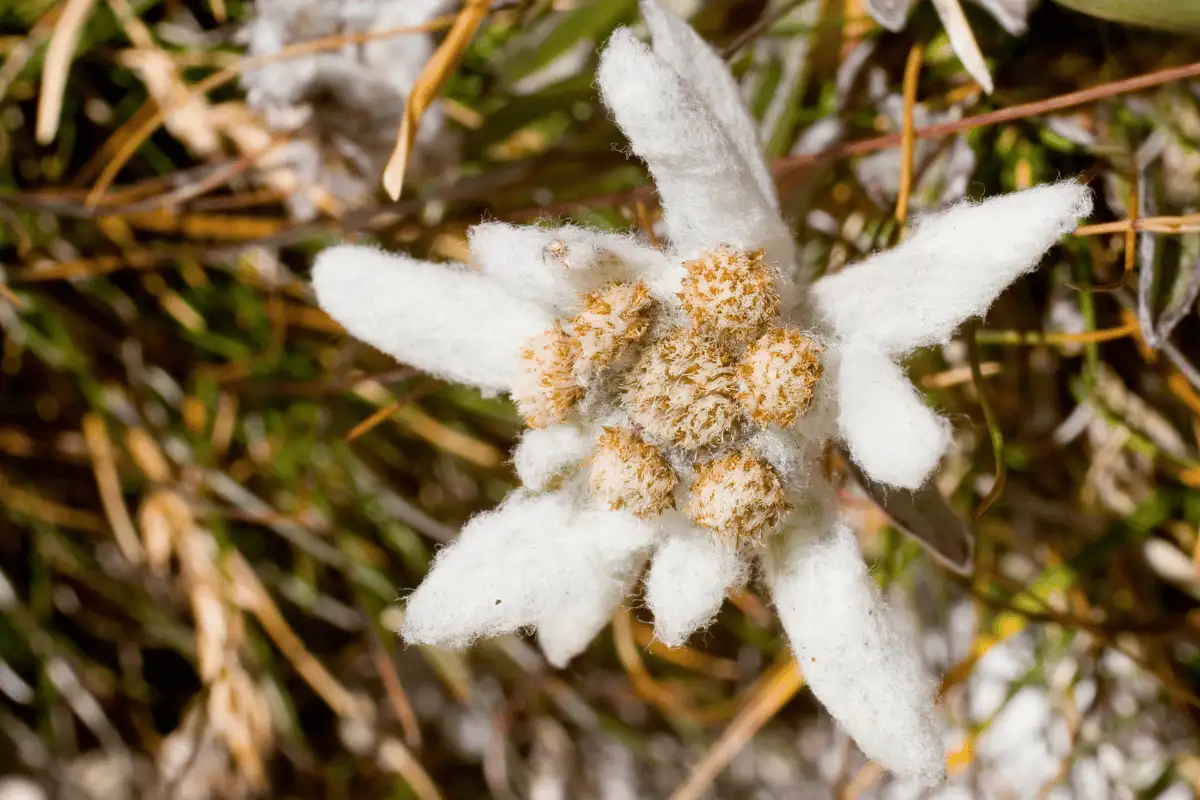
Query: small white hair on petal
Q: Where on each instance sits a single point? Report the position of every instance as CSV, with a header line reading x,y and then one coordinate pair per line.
x,y
555,265
690,573
952,267
792,456
600,579
706,74
891,433
851,655
544,454
439,318
536,561
710,196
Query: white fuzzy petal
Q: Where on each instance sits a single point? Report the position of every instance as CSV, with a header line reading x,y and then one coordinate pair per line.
x,y
709,78
794,457
891,433
554,265
953,265
850,654
540,562
689,575
437,317
710,196
544,454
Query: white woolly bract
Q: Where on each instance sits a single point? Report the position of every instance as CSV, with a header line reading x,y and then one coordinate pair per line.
x,y
536,561
793,457
555,265
710,196
689,576
545,454
850,654
953,265
439,318
891,433
706,74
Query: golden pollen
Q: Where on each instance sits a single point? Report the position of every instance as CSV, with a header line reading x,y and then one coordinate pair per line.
x,y
729,294
629,473
545,388
738,497
778,375
683,391
614,318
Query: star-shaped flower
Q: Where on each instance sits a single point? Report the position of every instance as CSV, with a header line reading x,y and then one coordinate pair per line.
x,y
679,400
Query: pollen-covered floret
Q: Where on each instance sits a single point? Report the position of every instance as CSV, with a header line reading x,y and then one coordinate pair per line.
x,y
613,318
778,375
738,497
683,391
729,293
545,388
627,472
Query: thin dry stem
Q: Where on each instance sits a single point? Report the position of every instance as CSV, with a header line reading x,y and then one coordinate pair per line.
x,y
912,74
108,481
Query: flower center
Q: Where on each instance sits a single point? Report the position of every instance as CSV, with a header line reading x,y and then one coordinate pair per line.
x,y
693,393
683,391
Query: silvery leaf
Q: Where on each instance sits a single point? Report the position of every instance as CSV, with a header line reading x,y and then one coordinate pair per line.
x,y
891,14
1012,15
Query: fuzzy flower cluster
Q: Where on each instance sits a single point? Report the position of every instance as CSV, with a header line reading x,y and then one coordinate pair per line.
x,y
679,400
340,109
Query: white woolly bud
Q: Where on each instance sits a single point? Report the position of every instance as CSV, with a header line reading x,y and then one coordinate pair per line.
x,y
683,391
729,293
778,375
545,388
738,497
631,474
614,318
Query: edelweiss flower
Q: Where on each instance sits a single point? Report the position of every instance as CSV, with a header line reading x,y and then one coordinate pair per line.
x,y
679,401
340,109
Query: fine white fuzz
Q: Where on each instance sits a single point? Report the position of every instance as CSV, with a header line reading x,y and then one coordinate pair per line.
x,y
545,388
738,497
729,294
709,193
705,73
553,266
891,433
437,317
683,391
778,376
951,267
538,561
688,579
631,474
546,455
851,655
613,319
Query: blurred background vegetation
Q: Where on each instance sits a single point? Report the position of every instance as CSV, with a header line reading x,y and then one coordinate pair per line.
x,y
211,498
